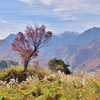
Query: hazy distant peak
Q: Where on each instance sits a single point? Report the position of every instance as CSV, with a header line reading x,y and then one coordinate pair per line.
x,y
93,29
10,38
67,33
12,34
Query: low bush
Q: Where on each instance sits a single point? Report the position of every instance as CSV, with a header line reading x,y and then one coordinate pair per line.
x,y
17,73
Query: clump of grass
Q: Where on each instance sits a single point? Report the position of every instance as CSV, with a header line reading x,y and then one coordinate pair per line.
x,y
17,73
14,73
41,85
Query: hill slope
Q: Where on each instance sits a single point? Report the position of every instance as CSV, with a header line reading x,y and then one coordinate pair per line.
x,y
75,49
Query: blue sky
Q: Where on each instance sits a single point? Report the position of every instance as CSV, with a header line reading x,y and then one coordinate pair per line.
x,y
58,15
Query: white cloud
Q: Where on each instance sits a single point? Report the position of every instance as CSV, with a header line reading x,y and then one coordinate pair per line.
x,y
67,17
64,8
73,7
30,2
46,2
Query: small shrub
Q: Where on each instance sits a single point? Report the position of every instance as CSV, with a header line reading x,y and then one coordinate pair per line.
x,y
58,64
15,73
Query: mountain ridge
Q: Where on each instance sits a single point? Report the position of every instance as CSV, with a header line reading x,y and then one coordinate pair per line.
x,y
74,48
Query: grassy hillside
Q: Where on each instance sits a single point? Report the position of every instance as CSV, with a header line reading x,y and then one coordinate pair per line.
x,y
41,85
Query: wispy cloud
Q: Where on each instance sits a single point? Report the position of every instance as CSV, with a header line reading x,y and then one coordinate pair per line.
x,y
46,2
30,2
69,9
73,7
57,15
14,26
3,21
8,27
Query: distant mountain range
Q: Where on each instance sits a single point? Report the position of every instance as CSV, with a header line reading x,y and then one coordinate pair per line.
x,y
81,51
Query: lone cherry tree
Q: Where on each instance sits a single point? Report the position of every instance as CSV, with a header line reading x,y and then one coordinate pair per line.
x,y
28,45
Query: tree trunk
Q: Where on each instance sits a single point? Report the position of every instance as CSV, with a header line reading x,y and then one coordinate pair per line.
x,y
26,61
26,64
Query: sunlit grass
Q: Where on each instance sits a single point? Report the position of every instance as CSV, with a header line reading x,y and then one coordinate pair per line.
x,y
41,85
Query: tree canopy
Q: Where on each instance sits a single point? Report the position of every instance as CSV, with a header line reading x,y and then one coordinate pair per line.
x,y
28,45
58,64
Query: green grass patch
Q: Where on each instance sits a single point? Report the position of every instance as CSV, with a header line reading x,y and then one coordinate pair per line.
x,y
41,85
